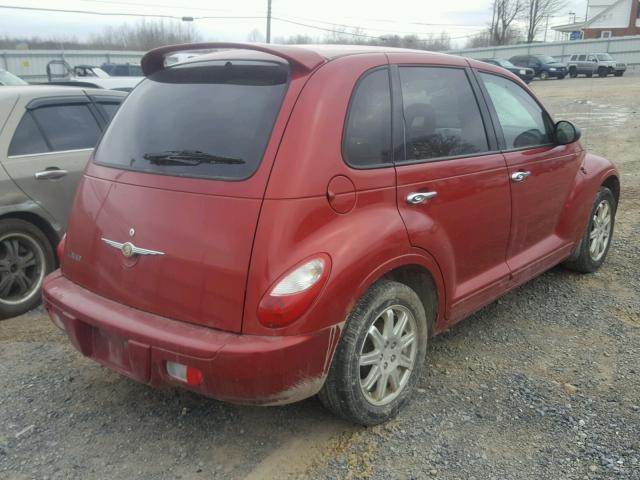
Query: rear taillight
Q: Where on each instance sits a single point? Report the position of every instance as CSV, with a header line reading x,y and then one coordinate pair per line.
x,y
294,292
60,248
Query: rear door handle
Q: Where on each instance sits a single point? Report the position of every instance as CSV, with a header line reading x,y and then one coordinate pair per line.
x,y
415,198
52,174
519,176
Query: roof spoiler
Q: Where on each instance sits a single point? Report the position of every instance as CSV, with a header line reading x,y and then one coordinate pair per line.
x,y
299,58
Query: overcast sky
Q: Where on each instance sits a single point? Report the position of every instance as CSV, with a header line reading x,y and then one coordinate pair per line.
x,y
459,18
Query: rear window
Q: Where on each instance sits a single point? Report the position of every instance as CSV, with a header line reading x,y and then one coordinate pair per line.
x,y
206,119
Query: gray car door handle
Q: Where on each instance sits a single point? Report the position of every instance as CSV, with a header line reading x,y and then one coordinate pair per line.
x,y
415,198
50,174
519,176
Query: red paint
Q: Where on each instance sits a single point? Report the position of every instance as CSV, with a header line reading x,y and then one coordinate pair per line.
x,y
204,303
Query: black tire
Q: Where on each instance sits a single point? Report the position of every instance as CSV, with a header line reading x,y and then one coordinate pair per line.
x,y
602,72
582,259
619,74
561,77
573,73
342,392
26,257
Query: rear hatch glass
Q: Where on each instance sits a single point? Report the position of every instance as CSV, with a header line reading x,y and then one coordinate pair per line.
x,y
211,121
208,119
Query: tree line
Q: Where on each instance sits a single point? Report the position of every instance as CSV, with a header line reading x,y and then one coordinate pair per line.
x,y
507,18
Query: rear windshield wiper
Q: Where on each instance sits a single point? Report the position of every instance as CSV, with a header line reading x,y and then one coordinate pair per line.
x,y
189,158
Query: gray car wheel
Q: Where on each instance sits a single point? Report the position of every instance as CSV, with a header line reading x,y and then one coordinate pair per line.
x,y
26,257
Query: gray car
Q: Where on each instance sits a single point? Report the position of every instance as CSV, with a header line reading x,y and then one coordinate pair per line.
x,y
589,64
46,137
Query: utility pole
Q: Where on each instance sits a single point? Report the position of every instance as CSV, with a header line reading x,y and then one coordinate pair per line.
x,y
268,21
546,28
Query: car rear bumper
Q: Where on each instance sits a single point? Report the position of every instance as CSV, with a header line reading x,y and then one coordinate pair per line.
x,y
248,369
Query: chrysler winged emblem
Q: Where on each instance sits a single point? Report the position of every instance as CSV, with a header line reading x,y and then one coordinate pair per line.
x,y
128,249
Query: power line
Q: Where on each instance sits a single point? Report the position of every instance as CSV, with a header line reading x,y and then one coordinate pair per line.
x,y
337,24
121,14
229,17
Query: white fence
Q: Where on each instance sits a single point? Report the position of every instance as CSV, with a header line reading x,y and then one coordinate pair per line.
x,y
31,65
623,49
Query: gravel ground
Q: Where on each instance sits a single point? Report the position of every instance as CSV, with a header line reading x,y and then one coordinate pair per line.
x,y
542,384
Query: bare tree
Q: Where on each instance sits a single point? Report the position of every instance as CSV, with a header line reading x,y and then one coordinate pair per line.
x,y
504,13
145,35
537,11
255,36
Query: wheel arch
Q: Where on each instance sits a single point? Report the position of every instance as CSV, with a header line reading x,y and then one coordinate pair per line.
x,y
43,225
420,272
612,182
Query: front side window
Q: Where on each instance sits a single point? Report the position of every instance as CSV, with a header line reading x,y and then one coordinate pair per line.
x,y
367,136
210,119
522,120
441,114
604,57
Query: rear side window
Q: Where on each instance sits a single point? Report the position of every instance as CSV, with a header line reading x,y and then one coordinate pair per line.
x,y
68,127
207,119
55,128
109,109
367,137
523,122
582,58
27,138
441,114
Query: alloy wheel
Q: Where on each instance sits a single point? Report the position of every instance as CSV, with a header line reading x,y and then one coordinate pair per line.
x,y
388,355
600,233
22,268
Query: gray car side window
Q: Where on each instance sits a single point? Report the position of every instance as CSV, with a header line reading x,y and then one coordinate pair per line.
x,y
27,139
68,127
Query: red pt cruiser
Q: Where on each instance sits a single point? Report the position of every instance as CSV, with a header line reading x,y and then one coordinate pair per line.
x,y
266,223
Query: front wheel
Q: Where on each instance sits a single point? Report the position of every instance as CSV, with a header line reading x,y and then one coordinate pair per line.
x,y
602,72
594,245
26,256
619,74
573,73
380,355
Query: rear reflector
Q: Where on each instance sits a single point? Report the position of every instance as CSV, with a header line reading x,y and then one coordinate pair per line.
x,y
188,375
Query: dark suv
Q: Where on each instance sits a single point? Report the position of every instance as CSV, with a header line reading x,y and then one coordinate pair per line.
x,y
544,66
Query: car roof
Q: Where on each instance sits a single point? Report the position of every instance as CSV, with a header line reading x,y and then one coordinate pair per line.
x,y
36,91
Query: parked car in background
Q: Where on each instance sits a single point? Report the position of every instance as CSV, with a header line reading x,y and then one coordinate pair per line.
x,y
543,66
59,72
9,79
589,64
122,69
46,136
524,73
264,225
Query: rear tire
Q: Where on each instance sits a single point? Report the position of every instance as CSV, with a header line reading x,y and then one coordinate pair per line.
x,y
26,257
373,373
596,240
619,74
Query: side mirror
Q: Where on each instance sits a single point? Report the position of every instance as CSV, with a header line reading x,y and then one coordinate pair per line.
x,y
566,132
